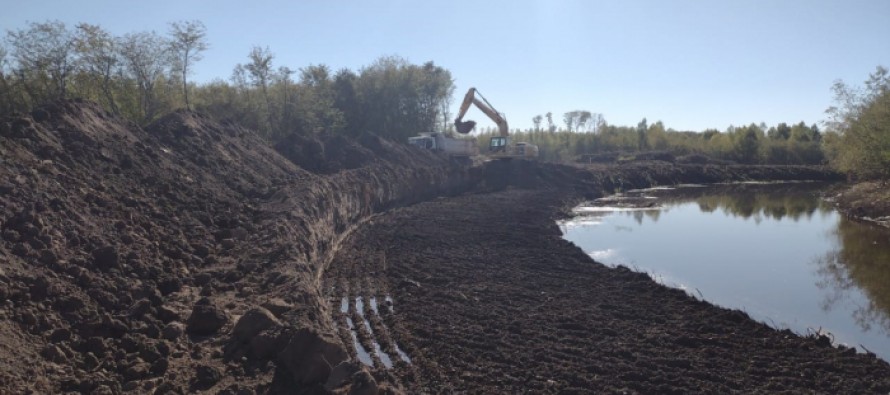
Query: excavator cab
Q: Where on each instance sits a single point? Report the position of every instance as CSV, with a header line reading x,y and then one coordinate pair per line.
x,y
498,144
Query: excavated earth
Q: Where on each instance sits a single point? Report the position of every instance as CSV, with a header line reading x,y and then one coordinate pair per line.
x,y
190,256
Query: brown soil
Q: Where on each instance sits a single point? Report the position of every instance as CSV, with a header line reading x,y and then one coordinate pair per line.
x,y
867,201
189,256
488,298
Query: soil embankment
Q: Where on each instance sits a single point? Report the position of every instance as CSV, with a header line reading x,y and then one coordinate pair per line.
x,y
190,256
129,255
867,201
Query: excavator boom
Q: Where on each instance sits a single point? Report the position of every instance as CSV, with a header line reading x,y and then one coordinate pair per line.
x,y
499,147
464,127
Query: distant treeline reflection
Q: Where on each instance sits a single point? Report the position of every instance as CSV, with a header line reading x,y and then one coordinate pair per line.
x,y
757,201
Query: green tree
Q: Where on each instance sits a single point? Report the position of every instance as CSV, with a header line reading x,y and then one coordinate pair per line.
x,y
100,59
45,53
188,41
147,59
862,123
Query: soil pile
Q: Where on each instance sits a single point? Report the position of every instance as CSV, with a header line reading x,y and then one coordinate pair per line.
x,y
129,254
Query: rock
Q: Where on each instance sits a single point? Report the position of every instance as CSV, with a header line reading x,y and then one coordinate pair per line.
x,y
59,335
206,377
253,322
136,371
309,356
96,345
106,258
169,285
363,384
49,258
53,353
206,319
172,331
340,375
227,244
167,314
202,279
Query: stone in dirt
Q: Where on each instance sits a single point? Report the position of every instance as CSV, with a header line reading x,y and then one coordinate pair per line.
x,y
261,331
310,356
206,318
206,377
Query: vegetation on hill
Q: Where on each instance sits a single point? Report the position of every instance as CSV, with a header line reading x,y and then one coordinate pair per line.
x,y
142,76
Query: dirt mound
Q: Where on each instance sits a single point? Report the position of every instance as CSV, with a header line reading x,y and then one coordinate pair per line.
x,y
129,253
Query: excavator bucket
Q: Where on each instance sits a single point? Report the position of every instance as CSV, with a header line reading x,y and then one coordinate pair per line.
x,y
464,127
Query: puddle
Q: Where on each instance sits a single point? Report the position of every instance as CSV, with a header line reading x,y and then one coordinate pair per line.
x,y
360,351
402,354
374,305
360,308
363,355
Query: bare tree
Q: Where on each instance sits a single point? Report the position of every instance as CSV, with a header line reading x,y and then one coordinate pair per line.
x,y
189,40
45,49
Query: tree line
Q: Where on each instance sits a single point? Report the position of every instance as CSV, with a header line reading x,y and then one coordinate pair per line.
x,y
781,144
143,75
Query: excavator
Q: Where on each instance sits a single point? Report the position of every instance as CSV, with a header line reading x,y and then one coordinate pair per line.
x,y
499,147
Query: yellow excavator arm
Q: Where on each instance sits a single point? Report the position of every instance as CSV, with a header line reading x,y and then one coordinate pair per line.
x,y
464,127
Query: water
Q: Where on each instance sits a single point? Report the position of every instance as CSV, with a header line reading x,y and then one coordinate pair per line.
x,y
778,252
384,357
360,351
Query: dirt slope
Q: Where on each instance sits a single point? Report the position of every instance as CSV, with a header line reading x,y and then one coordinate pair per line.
x,y
128,254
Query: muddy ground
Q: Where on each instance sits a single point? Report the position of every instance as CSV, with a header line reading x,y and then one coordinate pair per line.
x,y
488,298
867,201
189,256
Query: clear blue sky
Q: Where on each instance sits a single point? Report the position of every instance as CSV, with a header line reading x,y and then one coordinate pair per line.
x,y
692,64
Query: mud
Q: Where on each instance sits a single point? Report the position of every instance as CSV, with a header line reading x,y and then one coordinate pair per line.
x,y
490,299
865,201
189,256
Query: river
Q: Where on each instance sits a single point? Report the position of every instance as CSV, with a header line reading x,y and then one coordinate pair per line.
x,y
779,252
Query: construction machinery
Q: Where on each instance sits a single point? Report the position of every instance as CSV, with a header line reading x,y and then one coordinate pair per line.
x,y
456,148
499,146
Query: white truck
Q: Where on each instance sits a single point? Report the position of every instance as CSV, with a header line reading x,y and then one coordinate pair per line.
x,y
436,141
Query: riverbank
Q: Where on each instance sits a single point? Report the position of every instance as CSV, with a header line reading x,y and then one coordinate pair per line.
x,y
486,297
867,201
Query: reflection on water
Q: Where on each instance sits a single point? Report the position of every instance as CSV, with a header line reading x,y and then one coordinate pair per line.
x,y
861,263
777,251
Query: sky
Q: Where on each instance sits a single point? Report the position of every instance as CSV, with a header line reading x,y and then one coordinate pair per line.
x,y
692,64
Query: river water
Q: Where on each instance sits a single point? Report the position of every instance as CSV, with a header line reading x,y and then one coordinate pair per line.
x,y
776,251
